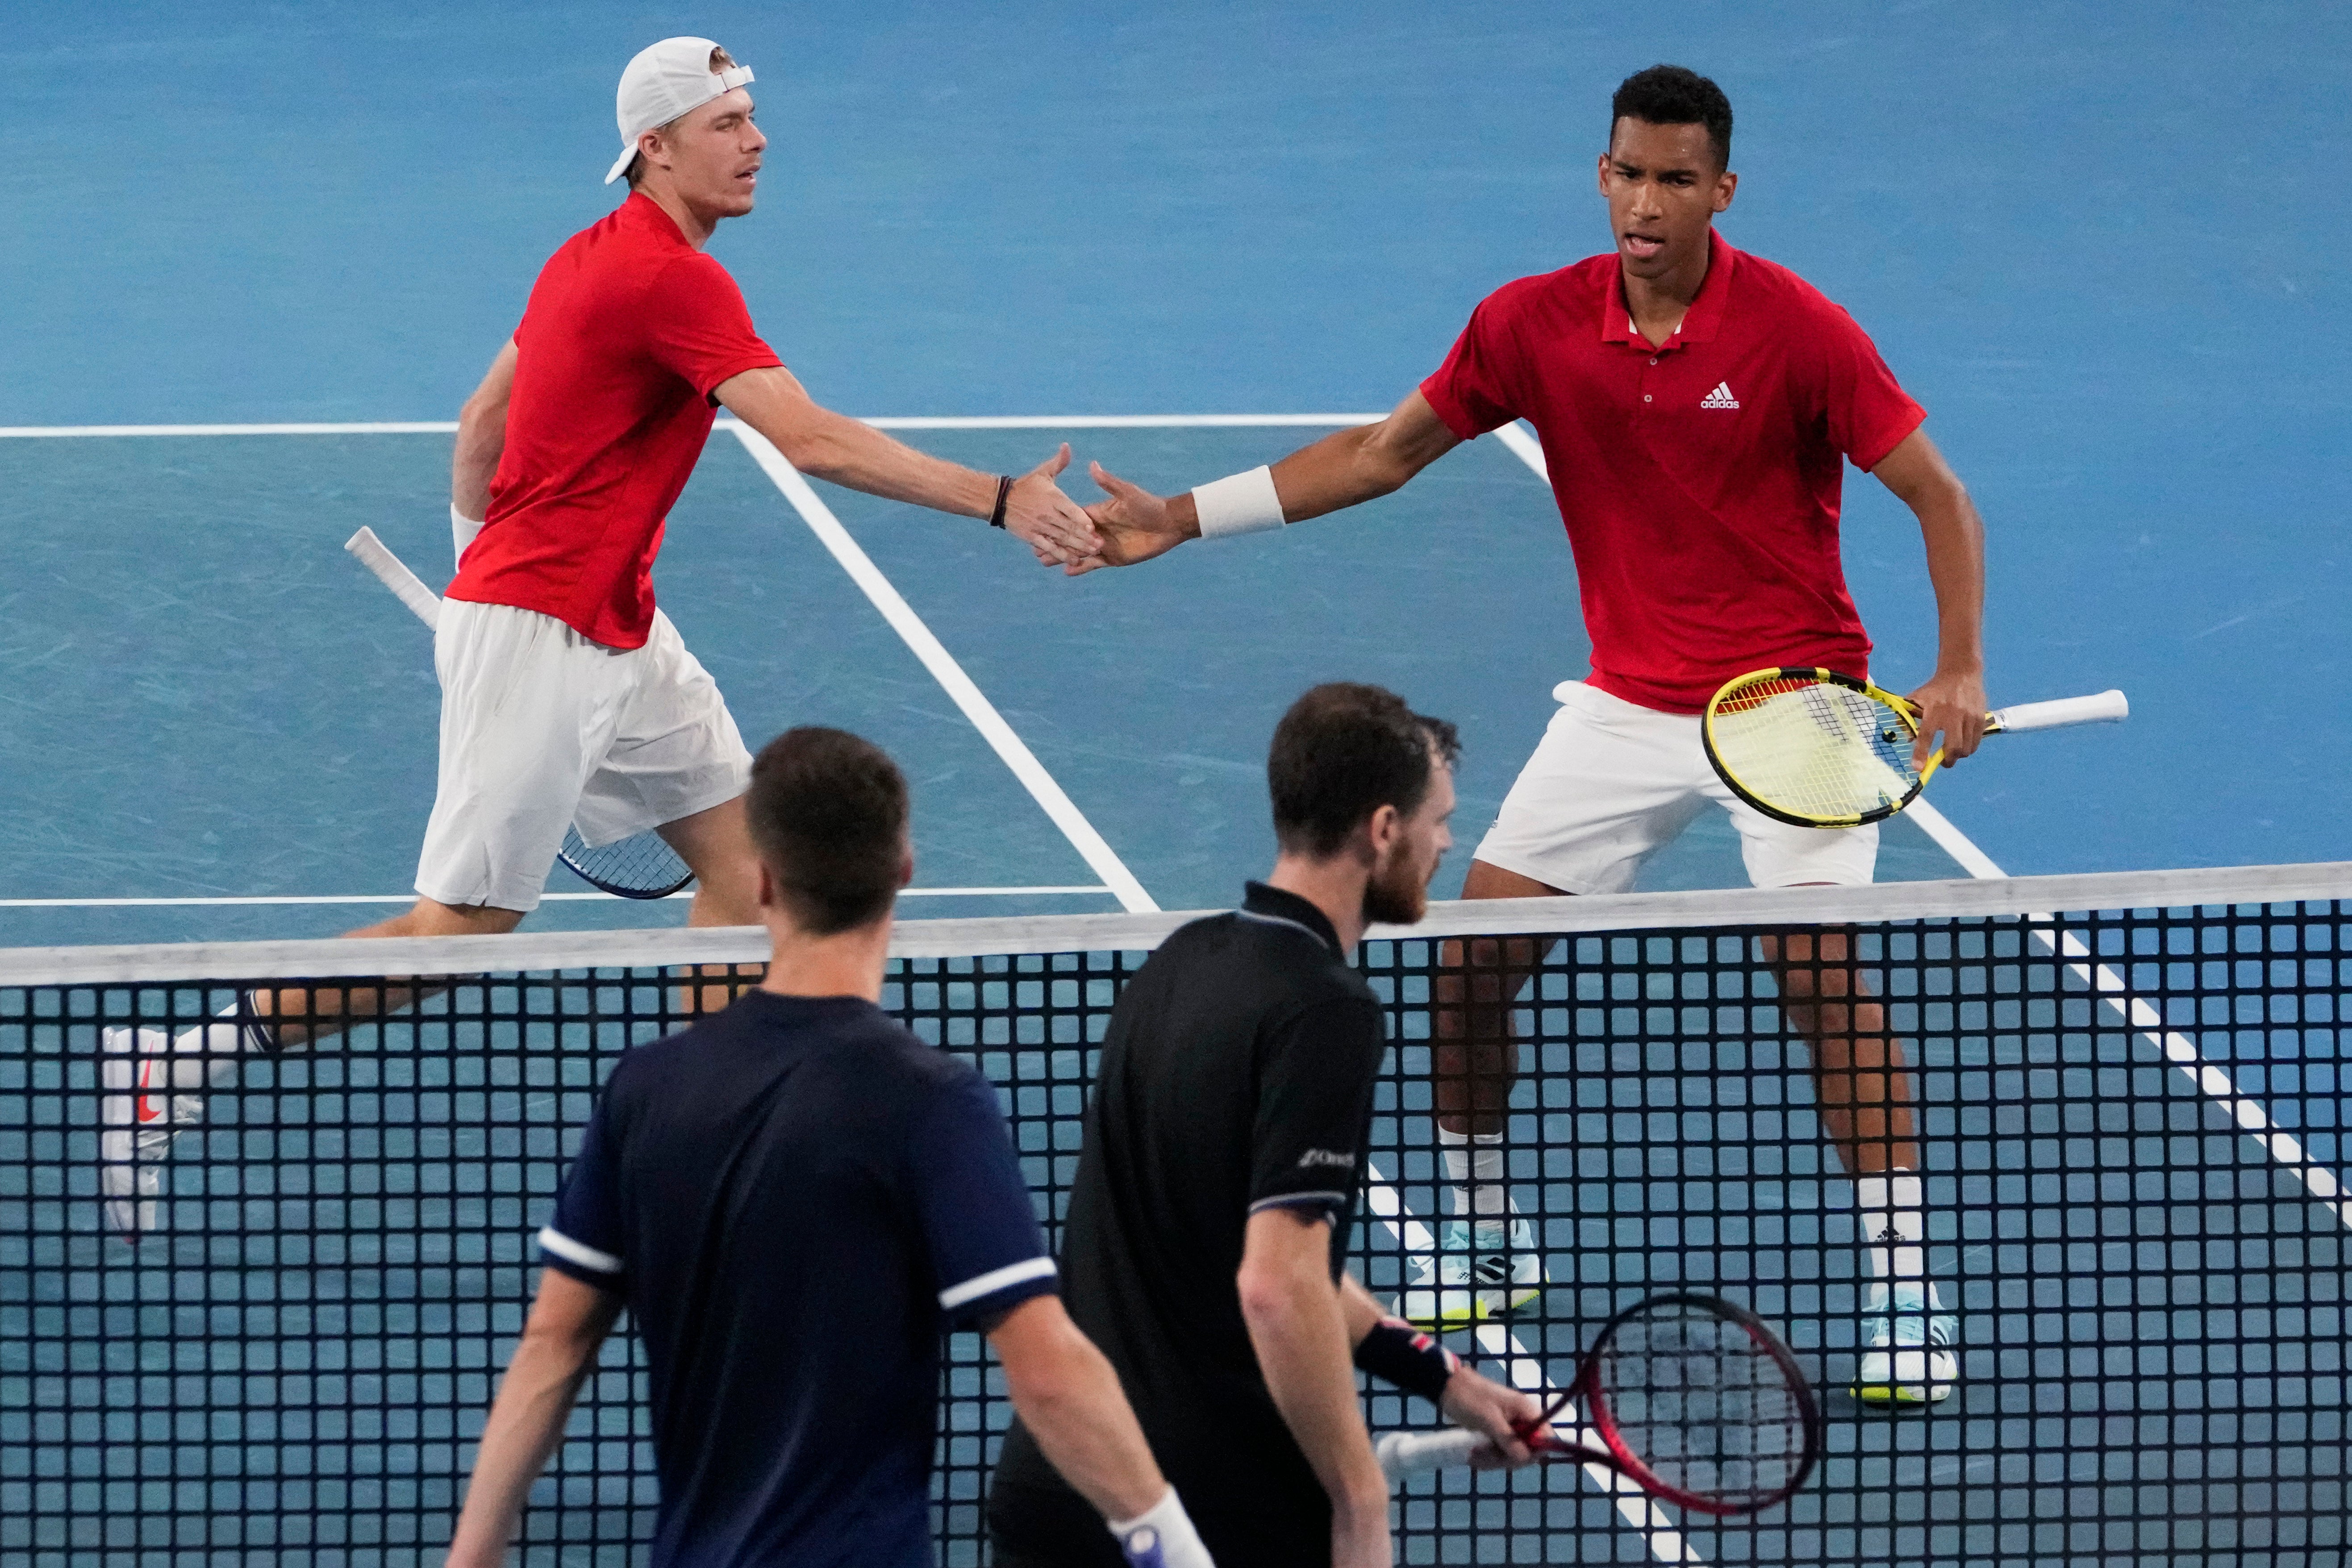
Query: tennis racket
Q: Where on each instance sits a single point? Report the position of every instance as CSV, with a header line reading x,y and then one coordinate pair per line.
x,y
643,866
1819,749
1690,1397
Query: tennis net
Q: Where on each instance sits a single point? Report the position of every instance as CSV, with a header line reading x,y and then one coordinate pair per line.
x,y
2132,1098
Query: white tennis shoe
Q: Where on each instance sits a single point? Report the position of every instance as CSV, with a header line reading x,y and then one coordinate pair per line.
x,y
1478,1271
1907,1355
138,1120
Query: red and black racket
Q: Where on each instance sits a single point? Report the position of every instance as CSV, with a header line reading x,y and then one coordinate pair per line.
x,y
1692,1398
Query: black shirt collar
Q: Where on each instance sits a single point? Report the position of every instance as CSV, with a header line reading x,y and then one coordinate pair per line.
x,y
1276,904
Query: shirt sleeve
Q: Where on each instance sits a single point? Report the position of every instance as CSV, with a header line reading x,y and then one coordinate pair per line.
x,y
696,325
585,1238
986,1249
1314,1105
1868,413
1471,391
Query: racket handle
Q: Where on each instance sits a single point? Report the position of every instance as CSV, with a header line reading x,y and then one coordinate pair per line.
x,y
376,555
2107,707
1404,1454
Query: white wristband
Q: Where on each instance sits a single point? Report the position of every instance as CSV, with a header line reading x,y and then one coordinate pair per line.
x,y
462,529
1164,1538
1240,503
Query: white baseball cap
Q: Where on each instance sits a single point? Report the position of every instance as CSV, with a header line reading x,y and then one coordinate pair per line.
x,y
668,80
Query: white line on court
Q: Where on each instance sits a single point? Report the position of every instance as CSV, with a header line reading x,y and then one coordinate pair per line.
x,y
885,422
367,428
2211,1081
1089,844
1071,888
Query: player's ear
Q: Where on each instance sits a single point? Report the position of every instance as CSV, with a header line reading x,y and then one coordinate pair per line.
x,y
1725,185
1382,829
767,887
907,865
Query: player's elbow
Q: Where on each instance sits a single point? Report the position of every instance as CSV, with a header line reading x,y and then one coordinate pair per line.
x,y
1273,1297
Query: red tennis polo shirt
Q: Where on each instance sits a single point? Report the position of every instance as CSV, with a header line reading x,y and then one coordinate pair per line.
x,y
628,331
1699,480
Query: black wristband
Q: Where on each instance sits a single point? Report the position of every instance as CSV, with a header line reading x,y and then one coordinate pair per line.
x,y
1004,489
1397,1353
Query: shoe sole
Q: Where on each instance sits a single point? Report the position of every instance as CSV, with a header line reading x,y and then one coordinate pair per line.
x,y
1415,1308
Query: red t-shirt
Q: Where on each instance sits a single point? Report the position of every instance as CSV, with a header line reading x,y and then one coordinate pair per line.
x,y
628,330
1700,481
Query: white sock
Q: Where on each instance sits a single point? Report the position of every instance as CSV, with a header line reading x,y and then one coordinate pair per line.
x,y
1891,1210
1477,1183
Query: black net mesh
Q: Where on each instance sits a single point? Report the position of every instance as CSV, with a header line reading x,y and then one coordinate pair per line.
x,y
2130,1123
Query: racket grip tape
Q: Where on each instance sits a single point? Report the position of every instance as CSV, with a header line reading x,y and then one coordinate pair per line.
x,y
376,555
1410,1453
2107,707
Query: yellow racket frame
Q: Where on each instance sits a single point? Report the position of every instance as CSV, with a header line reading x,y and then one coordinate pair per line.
x,y
1902,708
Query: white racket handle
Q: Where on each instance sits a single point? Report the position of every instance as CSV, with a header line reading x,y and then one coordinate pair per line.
x,y
1404,1454
376,555
2107,707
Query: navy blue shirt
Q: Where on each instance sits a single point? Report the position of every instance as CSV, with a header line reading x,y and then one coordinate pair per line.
x,y
796,1198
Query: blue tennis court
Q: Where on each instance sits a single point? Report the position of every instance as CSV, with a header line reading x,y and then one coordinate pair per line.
x,y
251,287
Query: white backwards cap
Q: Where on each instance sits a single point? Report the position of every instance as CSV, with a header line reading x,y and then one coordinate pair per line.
x,y
669,79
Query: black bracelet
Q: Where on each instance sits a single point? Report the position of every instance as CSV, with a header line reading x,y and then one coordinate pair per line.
x,y
1397,1353
1004,489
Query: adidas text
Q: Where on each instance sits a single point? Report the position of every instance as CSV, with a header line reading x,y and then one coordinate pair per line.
x,y
1720,397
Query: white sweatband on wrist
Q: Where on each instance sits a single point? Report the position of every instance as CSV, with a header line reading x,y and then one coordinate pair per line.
x,y
462,529
1164,1538
1239,503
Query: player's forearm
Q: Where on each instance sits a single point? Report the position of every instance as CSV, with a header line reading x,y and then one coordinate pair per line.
x,y
1068,1396
1299,1331
1345,469
857,456
525,1427
1955,539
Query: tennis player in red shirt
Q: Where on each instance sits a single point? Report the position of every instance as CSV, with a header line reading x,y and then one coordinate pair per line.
x,y
566,695
1697,407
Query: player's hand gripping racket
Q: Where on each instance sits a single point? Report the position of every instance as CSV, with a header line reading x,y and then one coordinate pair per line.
x,y
1820,749
641,866
1688,1396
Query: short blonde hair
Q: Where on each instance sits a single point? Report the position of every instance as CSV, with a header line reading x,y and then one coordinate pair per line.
x,y
719,60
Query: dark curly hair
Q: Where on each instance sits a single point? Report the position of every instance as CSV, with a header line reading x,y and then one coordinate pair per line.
x,y
1674,95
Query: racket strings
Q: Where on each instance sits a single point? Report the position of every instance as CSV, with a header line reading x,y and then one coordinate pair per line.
x,y
1705,1408
639,866
1815,749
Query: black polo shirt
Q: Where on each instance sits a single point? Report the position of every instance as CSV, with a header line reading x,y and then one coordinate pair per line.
x,y
1236,1076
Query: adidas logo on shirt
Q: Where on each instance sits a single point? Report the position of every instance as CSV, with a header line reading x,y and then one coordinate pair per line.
x,y
1720,397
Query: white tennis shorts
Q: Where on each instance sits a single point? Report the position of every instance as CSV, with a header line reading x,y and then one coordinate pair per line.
x,y
541,728
1612,782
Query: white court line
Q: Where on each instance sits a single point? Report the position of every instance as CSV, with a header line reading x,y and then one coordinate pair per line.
x,y
366,427
1524,1368
545,898
886,422
2211,1081
1098,855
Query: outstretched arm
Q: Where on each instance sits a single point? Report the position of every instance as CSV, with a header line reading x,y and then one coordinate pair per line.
x,y
558,1349
833,447
1338,471
1952,702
